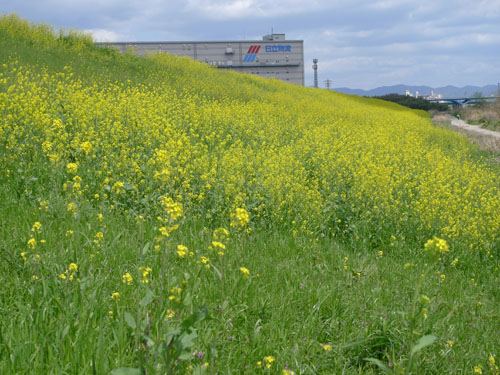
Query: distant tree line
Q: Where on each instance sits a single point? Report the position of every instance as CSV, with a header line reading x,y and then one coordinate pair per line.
x,y
415,103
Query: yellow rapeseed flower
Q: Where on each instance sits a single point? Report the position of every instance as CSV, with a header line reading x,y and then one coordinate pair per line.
x,y
182,251
269,360
72,168
36,227
73,267
98,237
424,300
44,205
436,247
170,314
71,207
245,272
220,234
127,278
86,147
145,271
491,361
240,218
205,261
31,243
326,347
217,244
424,313
176,290
118,187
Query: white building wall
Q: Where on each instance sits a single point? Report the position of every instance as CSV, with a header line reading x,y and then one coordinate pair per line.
x,y
272,57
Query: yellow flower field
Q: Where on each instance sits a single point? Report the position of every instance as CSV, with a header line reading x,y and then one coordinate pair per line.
x,y
314,160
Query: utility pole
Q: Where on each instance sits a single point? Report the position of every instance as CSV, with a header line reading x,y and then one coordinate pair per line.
x,y
315,67
328,83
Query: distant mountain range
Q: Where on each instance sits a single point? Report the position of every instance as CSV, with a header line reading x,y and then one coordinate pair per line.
x,y
447,91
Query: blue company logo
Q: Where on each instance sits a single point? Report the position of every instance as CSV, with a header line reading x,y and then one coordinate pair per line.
x,y
254,50
279,48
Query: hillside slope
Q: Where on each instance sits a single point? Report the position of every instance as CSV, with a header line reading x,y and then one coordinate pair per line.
x,y
166,181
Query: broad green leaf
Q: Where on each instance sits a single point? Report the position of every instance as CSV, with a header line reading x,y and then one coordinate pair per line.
x,y
185,354
146,248
129,319
379,363
126,371
187,340
149,341
146,300
200,370
187,299
65,331
422,343
171,332
198,315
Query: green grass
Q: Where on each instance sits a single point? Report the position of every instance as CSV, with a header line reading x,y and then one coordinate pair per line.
x,y
298,297
318,303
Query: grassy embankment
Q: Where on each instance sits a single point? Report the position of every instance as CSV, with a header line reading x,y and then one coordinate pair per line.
x,y
163,216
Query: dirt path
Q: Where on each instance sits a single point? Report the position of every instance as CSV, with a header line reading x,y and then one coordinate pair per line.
x,y
488,140
473,128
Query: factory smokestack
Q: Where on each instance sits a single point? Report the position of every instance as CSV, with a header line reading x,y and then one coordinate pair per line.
x,y
315,67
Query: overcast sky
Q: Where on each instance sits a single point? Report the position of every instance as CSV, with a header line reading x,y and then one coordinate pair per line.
x,y
359,43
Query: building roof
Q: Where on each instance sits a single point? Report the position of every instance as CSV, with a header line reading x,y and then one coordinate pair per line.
x,y
265,39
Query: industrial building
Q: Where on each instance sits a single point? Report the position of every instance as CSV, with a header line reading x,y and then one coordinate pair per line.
x,y
271,57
